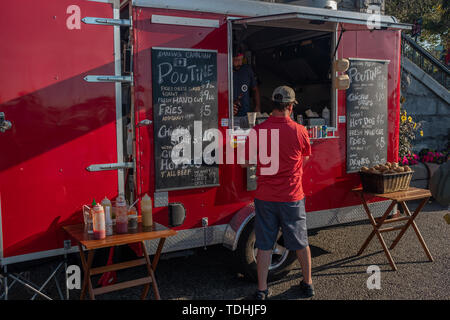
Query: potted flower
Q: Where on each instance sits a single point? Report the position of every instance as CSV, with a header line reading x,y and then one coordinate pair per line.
x,y
408,131
433,159
409,160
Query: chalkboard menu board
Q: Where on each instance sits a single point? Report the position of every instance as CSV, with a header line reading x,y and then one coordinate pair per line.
x,y
366,113
184,97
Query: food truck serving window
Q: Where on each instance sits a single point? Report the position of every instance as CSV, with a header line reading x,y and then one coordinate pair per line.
x,y
286,49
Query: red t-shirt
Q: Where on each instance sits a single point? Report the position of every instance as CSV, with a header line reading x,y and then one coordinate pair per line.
x,y
282,183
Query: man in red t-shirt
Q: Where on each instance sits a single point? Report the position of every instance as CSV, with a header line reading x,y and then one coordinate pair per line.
x,y
279,198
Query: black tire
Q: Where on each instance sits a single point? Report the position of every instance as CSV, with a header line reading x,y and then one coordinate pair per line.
x,y
245,255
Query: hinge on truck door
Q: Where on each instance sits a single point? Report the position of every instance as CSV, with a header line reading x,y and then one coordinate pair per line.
x,y
110,166
92,78
107,21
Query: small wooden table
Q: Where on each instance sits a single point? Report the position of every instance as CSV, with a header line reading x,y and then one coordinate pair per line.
x,y
399,197
140,235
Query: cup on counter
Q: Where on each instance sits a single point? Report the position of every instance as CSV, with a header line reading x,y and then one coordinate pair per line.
x,y
324,131
132,218
88,221
251,116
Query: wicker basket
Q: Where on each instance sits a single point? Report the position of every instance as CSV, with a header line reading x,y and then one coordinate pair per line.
x,y
385,183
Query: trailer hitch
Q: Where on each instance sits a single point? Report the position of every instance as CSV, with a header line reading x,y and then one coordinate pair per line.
x,y
4,124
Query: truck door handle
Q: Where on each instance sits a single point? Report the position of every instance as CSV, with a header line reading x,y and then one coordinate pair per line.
x,y
4,124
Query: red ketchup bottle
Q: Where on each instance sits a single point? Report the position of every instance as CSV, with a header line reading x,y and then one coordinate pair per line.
x,y
98,221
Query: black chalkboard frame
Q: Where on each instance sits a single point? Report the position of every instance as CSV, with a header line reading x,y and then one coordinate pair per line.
x,y
386,62
188,187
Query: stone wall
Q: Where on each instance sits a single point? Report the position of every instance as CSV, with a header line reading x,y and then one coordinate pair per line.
x,y
428,102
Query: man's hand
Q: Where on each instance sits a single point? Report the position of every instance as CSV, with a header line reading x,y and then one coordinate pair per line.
x,y
236,107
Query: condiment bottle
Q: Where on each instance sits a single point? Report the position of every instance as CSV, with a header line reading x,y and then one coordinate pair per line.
x,y
326,115
132,218
146,211
121,215
107,206
98,219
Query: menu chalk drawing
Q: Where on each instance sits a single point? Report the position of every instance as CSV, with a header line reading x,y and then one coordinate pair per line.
x,y
367,113
184,96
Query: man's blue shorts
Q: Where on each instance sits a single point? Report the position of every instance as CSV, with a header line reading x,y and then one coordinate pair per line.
x,y
290,216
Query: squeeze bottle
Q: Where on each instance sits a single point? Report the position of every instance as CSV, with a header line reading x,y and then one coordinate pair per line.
x,y
107,206
121,215
326,115
146,211
98,218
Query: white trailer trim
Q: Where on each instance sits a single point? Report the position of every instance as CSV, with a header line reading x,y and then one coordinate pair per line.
x,y
314,220
36,255
182,21
118,87
248,8
227,234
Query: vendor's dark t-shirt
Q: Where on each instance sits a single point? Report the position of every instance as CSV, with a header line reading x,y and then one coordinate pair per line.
x,y
243,81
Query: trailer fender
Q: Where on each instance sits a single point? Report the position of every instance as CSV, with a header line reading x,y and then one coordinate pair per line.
x,y
237,225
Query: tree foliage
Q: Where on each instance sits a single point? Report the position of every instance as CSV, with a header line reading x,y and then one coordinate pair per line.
x,y
434,13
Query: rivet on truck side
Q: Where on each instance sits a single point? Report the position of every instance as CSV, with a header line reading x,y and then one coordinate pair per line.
x,y
61,124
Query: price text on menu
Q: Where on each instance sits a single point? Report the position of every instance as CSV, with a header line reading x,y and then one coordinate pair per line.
x,y
367,114
184,91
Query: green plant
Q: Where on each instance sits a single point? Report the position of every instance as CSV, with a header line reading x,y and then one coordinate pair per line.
x,y
408,131
435,15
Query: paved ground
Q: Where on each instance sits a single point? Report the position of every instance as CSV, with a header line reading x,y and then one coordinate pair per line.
x,y
337,272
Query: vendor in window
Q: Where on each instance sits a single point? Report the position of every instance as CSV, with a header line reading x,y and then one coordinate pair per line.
x,y
243,81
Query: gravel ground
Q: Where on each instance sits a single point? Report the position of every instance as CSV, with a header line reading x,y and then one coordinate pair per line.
x,y
338,273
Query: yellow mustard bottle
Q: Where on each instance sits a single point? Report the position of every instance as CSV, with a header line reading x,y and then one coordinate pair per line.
x,y
146,211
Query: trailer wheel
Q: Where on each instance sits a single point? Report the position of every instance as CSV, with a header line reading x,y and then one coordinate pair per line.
x,y
282,259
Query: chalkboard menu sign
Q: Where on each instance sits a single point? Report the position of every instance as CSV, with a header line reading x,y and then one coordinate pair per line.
x,y
184,98
366,113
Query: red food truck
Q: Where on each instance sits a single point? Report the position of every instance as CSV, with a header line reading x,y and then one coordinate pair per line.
x,y
91,92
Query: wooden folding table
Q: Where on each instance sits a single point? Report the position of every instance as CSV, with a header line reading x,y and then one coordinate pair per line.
x,y
140,235
399,197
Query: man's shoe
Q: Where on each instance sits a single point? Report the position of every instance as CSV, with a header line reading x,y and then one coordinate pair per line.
x,y
261,294
307,290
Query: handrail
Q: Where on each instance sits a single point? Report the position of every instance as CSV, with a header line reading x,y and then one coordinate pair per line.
x,y
426,61
425,52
